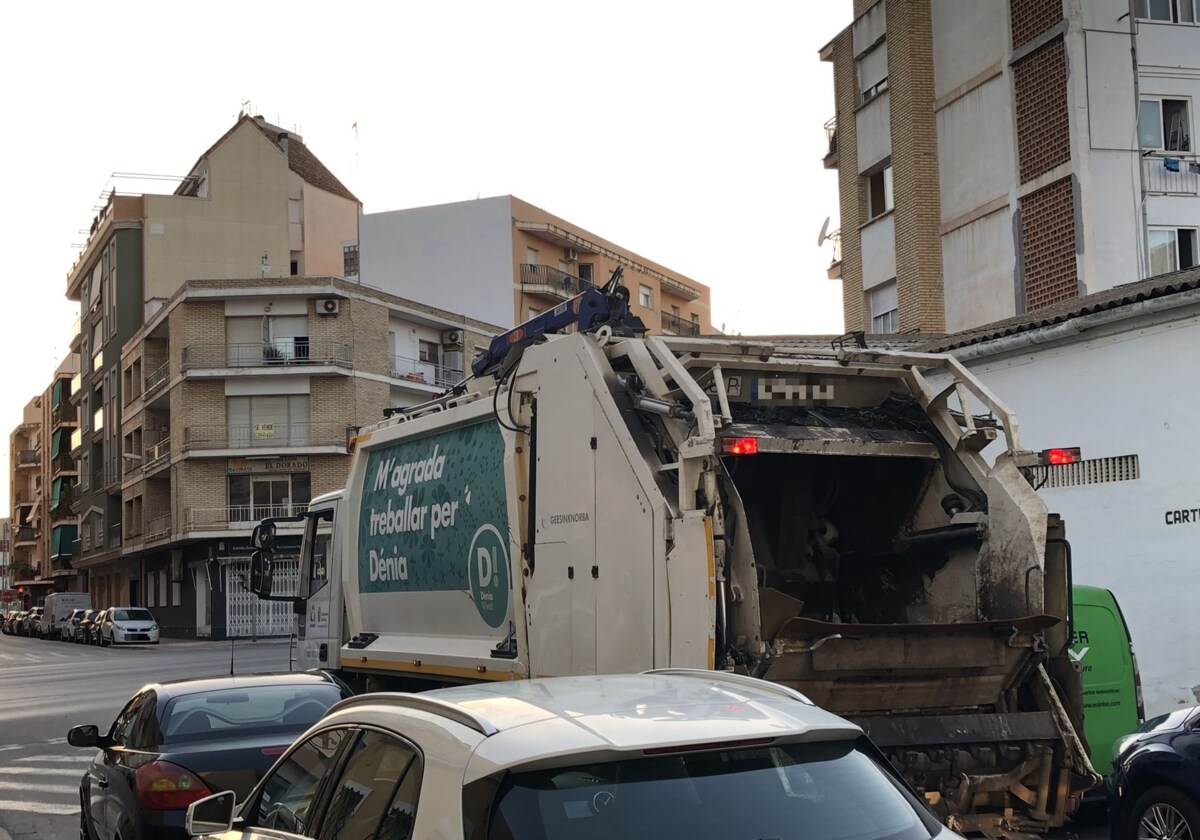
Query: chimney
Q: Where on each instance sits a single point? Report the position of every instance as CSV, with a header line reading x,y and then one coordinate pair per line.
x,y
283,141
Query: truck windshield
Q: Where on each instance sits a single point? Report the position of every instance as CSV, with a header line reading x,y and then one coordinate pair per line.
x,y
826,791
318,534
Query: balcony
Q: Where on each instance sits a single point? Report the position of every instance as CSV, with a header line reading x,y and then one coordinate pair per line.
x,y
269,436
544,280
831,156
156,454
236,517
674,325
156,380
104,476
297,352
63,463
76,335
27,458
158,528
1169,173
64,412
425,373
673,287
25,535
24,498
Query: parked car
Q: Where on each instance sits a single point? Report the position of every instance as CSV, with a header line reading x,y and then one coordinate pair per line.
x,y
88,632
128,625
70,628
1154,792
676,754
33,622
58,607
17,624
7,620
176,742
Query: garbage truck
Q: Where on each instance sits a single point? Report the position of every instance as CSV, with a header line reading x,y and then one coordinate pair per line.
x,y
598,500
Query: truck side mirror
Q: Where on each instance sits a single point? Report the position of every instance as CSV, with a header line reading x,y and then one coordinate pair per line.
x,y
263,537
260,574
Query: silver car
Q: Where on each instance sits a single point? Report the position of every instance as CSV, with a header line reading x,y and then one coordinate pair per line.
x,y
661,755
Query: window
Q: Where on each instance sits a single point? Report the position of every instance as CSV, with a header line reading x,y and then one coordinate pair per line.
x,y
585,272
1171,249
885,310
533,313
317,536
695,320
252,713
1169,11
531,256
255,497
269,421
646,297
286,794
873,72
1165,124
379,776
427,351
294,267
879,192
350,260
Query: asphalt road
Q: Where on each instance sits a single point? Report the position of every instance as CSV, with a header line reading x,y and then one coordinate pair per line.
x,y
46,687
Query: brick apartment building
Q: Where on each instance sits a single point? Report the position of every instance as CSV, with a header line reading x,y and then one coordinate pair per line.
x,y
238,400
1001,156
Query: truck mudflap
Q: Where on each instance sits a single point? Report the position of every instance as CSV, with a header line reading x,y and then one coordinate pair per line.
x,y
1000,756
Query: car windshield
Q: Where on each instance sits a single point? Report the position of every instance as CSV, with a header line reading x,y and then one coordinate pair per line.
x,y
132,615
246,712
825,791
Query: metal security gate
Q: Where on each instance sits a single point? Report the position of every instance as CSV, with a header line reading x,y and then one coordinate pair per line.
x,y
245,614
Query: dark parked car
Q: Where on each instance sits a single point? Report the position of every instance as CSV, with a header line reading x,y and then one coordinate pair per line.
x,y
1155,788
70,628
177,742
91,627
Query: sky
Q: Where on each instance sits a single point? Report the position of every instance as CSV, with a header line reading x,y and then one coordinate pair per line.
x,y
688,132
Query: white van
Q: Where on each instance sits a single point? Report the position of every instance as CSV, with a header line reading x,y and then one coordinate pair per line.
x,y
58,608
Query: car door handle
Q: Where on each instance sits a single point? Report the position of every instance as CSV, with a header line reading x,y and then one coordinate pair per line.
x,y
102,782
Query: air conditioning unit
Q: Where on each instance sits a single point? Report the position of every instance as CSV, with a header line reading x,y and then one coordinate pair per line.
x,y
572,254
452,337
328,306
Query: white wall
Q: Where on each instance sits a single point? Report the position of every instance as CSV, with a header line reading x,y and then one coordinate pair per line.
x,y
878,251
873,131
978,267
457,257
968,38
975,149
1126,394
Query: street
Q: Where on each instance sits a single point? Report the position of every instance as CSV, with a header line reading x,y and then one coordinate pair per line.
x,y
48,686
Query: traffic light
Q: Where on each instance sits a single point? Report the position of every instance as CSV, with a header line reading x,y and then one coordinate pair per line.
x,y
20,590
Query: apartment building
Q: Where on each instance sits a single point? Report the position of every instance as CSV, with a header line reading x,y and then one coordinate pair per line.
x,y
502,260
257,203
1002,156
5,560
238,399
25,489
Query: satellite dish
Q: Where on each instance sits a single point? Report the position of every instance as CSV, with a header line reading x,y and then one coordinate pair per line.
x,y
824,234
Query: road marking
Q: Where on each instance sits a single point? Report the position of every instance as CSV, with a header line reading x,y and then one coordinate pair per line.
x,y
48,808
40,787
30,771
62,759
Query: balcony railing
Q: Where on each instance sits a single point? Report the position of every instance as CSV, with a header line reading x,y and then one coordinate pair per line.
x,y
114,535
63,463
831,137
158,528
672,323
542,279
237,517
296,351
414,370
264,436
156,379
157,451
25,535
103,476
63,413
1171,173
24,497
29,458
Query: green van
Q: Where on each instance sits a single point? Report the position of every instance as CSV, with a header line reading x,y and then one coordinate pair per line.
x,y
1112,687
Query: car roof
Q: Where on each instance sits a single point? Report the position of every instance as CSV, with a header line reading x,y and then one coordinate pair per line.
x,y
518,722
200,685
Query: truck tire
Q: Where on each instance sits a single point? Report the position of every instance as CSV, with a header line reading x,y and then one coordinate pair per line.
x,y
1163,812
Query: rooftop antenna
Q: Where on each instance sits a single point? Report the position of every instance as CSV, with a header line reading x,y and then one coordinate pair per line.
x,y
354,128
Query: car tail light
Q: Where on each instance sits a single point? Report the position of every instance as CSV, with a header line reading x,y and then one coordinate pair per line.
x,y
280,750
1137,690
167,787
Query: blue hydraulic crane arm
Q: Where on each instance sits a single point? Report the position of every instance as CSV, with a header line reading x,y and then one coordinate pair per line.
x,y
587,311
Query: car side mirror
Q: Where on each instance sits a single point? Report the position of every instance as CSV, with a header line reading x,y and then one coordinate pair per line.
x,y
210,815
87,735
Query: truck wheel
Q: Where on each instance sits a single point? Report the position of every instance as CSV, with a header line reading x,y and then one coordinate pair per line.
x,y
1163,813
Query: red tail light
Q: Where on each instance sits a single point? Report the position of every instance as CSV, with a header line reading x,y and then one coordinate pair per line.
x,y
739,446
274,750
1064,455
167,787
1137,690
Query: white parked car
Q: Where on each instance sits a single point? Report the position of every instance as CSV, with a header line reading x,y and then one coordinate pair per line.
x,y
661,755
128,625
